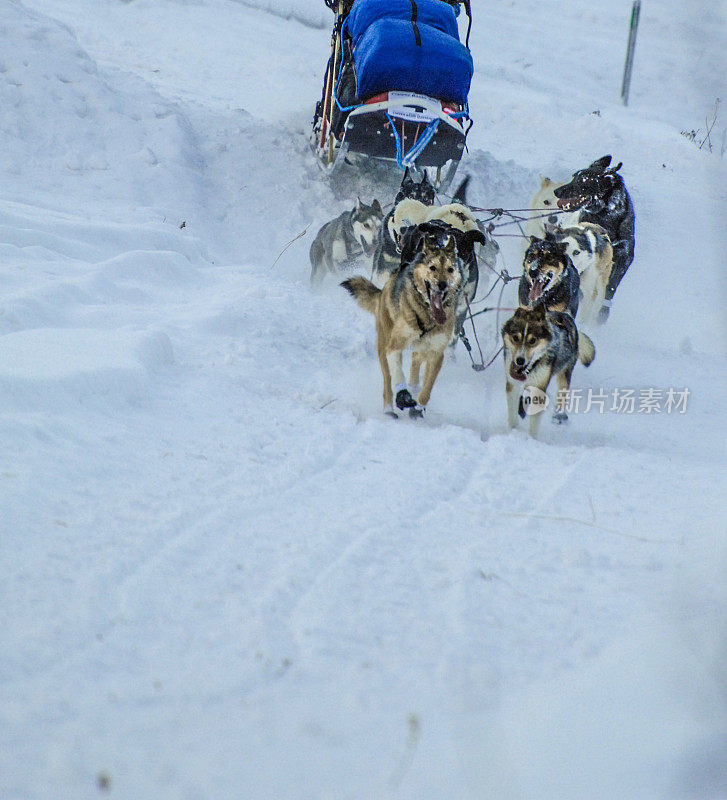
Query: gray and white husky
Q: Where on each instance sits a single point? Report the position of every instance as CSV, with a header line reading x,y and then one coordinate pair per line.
x,y
346,242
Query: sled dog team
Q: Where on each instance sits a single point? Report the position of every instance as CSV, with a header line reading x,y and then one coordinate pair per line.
x,y
424,265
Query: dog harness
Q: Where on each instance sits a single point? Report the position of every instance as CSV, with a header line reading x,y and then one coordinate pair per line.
x,y
424,331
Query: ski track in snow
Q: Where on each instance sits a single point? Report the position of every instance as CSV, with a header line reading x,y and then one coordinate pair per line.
x,y
225,574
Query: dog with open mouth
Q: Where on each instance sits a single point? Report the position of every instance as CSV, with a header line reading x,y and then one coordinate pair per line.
x,y
417,309
600,195
544,201
410,213
537,345
346,242
549,276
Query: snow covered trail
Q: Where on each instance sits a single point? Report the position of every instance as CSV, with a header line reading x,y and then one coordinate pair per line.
x,y
224,574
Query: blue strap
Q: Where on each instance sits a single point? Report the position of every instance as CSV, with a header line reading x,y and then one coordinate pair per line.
x,y
397,141
409,159
421,143
340,72
461,114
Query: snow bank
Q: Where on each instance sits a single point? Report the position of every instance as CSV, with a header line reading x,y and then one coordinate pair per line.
x,y
71,140
51,368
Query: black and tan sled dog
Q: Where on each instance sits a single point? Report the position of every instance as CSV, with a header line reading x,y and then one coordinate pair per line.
x,y
539,344
416,308
549,276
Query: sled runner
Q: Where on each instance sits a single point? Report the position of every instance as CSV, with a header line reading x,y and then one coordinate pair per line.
x,y
396,86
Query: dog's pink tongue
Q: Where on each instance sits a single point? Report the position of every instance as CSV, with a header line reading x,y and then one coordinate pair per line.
x,y
517,374
535,291
440,316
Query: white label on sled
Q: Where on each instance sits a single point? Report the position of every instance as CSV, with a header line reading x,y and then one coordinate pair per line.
x,y
412,111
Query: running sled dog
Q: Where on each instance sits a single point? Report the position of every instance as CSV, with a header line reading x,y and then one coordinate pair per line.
x,y
538,345
417,309
568,270
549,277
345,241
413,205
599,194
412,212
471,249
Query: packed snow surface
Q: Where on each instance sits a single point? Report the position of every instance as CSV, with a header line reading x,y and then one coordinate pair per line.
x,y
224,573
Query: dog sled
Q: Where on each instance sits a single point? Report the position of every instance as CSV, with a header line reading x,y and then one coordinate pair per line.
x,y
396,86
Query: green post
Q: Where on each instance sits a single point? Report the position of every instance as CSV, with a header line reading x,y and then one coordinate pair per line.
x,y
628,68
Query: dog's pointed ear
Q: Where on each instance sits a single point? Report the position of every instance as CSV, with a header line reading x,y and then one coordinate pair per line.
x,y
451,245
475,235
614,170
510,323
425,180
534,239
600,164
411,240
400,237
460,195
377,207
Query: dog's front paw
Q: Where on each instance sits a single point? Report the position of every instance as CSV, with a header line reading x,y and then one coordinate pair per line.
x,y
560,417
404,400
417,411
